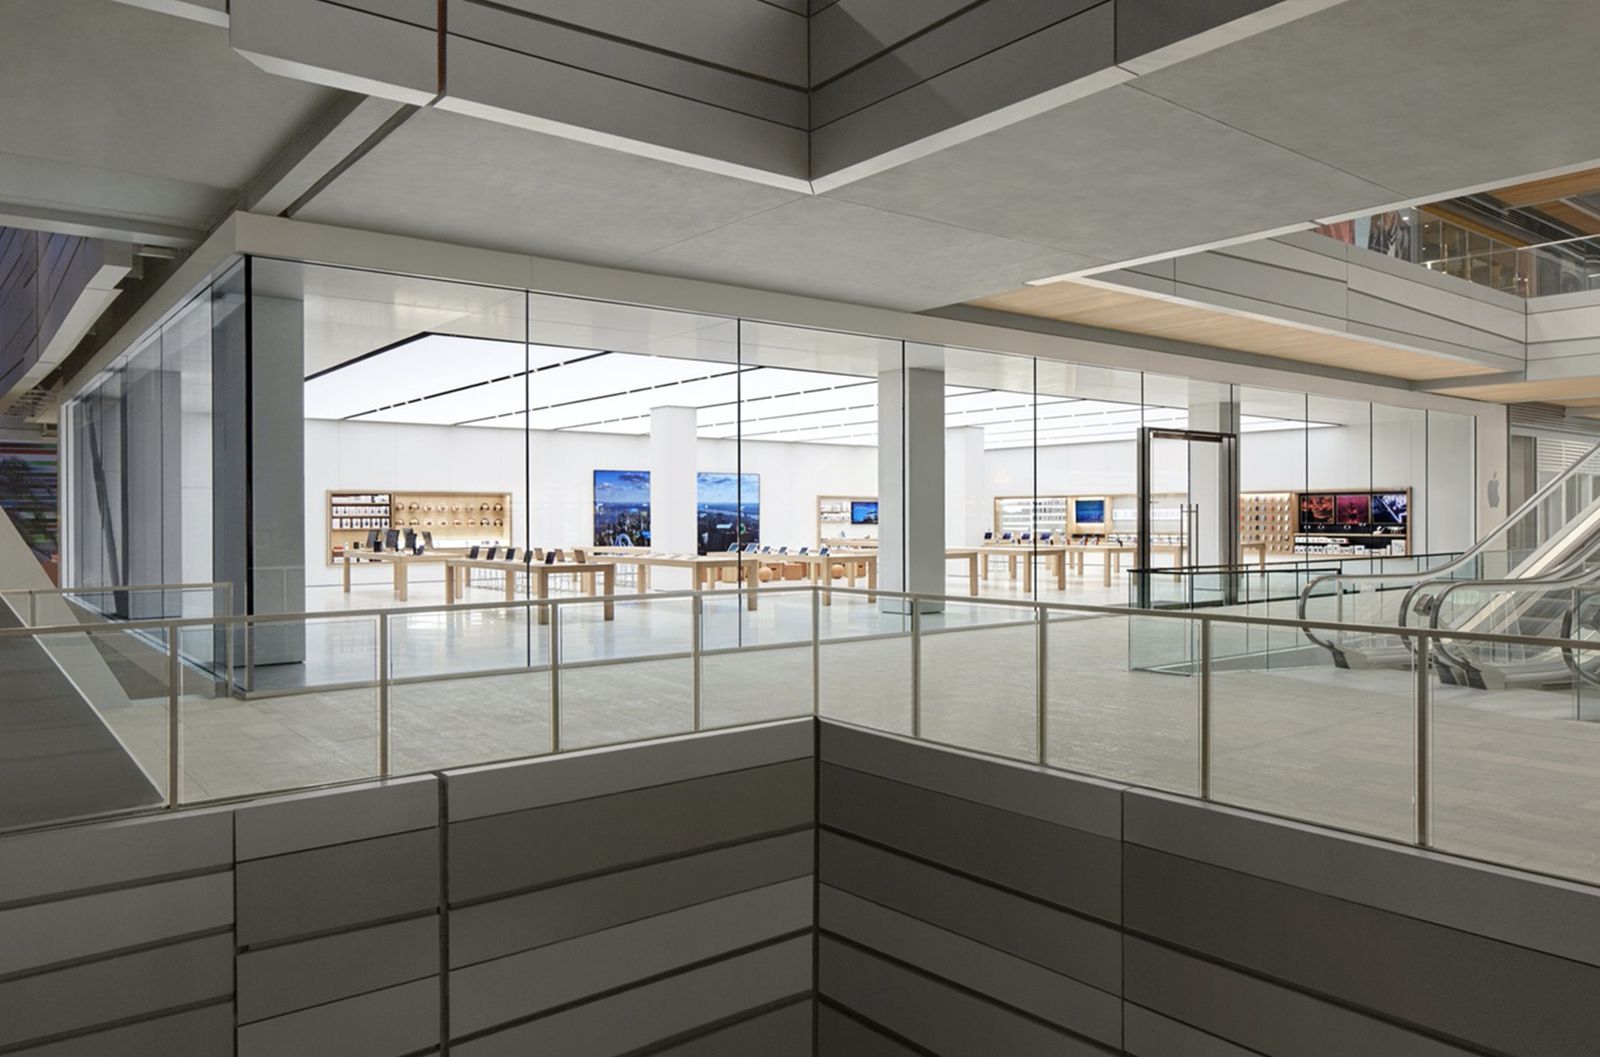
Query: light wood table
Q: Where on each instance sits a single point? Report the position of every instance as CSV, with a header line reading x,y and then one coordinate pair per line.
x,y
1055,555
970,555
819,568
538,574
625,556
402,561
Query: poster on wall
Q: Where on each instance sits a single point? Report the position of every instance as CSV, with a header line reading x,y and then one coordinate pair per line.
x,y
622,508
28,495
728,508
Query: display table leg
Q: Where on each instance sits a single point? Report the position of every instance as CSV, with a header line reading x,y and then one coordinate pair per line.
x,y
400,579
972,575
449,585
608,577
347,572
755,583
511,585
1011,565
1027,575
541,590
643,578
872,578
1061,571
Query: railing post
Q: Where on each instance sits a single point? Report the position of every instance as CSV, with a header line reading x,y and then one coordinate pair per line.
x,y
33,609
816,650
1042,682
1205,710
916,669
1424,747
555,676
383,695
697,618
174,676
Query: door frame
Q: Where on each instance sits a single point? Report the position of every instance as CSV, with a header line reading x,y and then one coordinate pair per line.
x,y
1228,484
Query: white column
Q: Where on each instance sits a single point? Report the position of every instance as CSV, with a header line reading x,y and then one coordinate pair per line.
x,y
911,508
673,528
965,516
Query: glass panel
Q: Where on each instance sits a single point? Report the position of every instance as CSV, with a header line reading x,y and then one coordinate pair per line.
x,y
979,680
769,676
471,686
626,677
297,725
866,662
1112,716
1316,742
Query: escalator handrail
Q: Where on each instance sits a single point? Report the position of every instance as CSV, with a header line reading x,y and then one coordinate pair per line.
x,y
1469,555
1563,582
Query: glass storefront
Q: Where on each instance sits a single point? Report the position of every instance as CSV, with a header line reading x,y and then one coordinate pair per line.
x,y
292,423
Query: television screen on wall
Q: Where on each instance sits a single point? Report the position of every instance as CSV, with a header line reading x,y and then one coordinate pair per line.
x,y
1316,512
1389,508
1089,511
1353,512
622,508
863,513
728,510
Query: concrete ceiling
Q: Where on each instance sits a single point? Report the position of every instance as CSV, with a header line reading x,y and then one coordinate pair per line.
x,y
129,123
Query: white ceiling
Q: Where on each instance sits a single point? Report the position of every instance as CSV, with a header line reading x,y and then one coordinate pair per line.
x,y
447,380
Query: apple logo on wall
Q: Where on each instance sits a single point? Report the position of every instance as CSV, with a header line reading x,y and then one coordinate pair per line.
x,y
1494,490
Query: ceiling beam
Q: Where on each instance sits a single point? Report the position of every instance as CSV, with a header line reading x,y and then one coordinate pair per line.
x,y
1432,385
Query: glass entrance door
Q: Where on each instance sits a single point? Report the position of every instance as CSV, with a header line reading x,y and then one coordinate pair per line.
x,y
1188,518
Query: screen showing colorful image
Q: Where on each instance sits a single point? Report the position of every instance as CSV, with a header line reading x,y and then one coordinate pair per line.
x,y
622,508
863,513
1089,511
1388,508
1316,511
728,509
1352,511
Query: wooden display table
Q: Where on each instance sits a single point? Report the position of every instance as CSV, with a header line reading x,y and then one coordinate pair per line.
x,y
603,572
402,562
970,555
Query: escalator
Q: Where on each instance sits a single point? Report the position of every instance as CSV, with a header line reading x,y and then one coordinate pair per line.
x,y
1519,579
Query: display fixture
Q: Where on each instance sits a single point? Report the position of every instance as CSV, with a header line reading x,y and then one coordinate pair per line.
x,y
839,518
451,518
1269,518
1353,522
622,508
727,510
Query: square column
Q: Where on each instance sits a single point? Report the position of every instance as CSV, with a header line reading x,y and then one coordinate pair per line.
x,y
674,526
911,506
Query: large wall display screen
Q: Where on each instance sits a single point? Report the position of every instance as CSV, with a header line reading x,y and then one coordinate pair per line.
x,y
1354,513
622,508
722,502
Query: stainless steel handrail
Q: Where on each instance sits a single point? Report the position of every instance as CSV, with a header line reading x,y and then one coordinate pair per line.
x,y
920,610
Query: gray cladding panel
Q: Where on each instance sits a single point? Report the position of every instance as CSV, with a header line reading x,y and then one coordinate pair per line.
x,y
299,975
1145,25
1256,1014
314,820
1053,796
205,1032
114,989
66,929
1067,867
1065,943
339,887
1265,282
839,1035
756,38
505,853
623,61
784,1032
1069,50
995,974
505,926
510,988
934,1015
501,788
976,32
849,32
1558,917
52,863
391,1023
1450,982
622,1023
1147,1034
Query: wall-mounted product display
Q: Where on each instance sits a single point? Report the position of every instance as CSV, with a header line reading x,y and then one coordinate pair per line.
x,y
450,518
1269,518
622,508
728,510
853,518
1017,514
1354,522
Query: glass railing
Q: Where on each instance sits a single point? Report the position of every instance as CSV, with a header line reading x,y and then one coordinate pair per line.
x,y
1400,752
1558,266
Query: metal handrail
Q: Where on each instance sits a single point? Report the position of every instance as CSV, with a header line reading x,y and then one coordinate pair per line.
x,y
919,609
35,593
